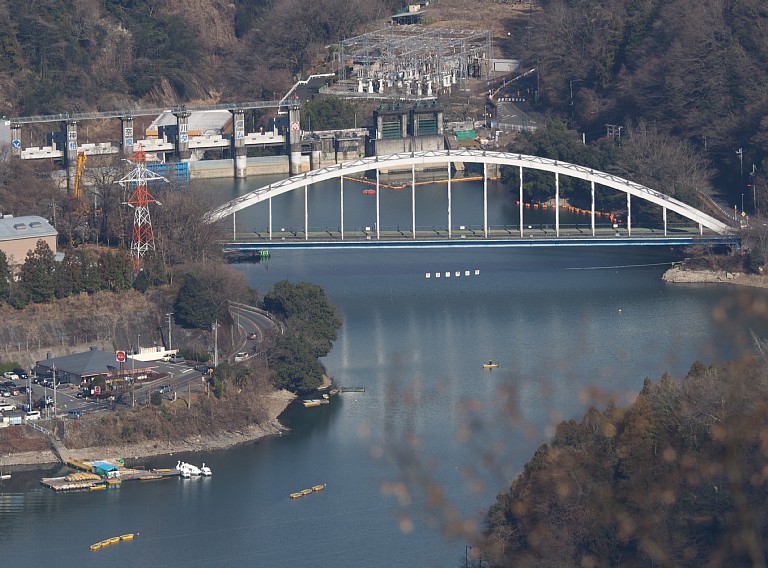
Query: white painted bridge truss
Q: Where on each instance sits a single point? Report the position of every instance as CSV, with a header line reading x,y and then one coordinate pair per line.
x,y
485,157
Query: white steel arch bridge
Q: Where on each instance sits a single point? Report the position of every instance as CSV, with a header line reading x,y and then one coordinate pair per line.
x,y
430,159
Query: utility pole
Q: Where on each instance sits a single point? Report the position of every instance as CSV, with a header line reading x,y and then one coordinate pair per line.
x,y
54,391
170,342
215,327
740,154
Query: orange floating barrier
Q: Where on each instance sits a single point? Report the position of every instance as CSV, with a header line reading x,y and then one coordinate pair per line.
x,y
544,205
535,205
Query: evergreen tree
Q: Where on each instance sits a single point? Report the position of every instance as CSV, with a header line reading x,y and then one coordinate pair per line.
x,y
194,306
5,277
37,274
69,276
295,365
306,311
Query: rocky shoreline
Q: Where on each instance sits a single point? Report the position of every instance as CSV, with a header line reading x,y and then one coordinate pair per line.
x,y
278,402
676,274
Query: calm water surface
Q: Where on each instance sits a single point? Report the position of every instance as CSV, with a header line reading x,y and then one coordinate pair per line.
x,y
568,327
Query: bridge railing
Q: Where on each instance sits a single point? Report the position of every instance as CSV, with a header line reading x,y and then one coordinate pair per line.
x,y
398,232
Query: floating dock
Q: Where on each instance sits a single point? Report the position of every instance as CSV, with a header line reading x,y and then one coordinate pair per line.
x,y
305,492
111,474
352,389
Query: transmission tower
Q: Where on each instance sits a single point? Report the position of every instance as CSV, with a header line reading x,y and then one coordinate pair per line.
x,y
143,238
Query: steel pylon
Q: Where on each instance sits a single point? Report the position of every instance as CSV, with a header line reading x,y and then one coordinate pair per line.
x,y
143,238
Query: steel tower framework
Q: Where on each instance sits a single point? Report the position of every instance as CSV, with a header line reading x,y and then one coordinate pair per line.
x,y
143,238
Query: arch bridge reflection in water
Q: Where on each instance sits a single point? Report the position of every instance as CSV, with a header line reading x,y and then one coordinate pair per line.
x,y
718,231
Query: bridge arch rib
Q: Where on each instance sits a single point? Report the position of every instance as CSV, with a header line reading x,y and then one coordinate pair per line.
x,y
411,159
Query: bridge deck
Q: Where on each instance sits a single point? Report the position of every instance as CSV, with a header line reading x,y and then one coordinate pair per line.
x,y
436,238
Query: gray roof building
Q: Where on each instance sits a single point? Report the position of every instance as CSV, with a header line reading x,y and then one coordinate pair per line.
x,y
88,364
19,235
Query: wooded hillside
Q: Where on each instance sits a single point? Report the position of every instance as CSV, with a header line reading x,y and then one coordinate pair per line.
x,y
677,479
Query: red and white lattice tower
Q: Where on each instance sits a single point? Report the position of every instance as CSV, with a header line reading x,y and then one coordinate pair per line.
x,y
143,238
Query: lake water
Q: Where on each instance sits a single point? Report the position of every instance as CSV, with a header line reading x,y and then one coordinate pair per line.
x,y
570,328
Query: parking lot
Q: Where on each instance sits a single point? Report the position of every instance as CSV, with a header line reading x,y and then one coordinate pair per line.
x,y
37,393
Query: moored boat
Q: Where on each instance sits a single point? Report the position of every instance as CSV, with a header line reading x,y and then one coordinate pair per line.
x,y
310,403
490,365
205,470
128,536
319,487
296,495
306,491
96,546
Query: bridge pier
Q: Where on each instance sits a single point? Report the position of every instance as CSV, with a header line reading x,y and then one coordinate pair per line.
x,y
16,135
294,140
70,154
239,151
126,136
182,135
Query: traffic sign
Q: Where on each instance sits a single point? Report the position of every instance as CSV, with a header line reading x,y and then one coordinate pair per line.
x,y
97,389
294,126
16,143
120,356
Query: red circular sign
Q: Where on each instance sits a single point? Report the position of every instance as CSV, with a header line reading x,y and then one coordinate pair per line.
x,y
120,356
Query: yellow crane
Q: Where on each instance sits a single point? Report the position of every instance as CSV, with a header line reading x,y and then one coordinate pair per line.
x,y
81,157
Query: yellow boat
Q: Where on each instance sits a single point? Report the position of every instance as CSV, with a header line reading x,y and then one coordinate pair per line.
x,y
97,487
306,491
318,487
114,540
296,495
104,543
96,546
311,403
490,365
128,536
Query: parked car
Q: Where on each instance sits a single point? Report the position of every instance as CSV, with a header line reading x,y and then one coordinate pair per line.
x,y
5,392
32,415
7,406
162,389
242,356
11,375
176,359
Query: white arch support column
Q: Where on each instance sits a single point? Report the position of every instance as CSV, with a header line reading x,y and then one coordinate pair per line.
x,y
378,210
306,214
522,234
664,216
593,208
557,204
450,212
413,199
485,199
341,200
629,215
269,201
234,226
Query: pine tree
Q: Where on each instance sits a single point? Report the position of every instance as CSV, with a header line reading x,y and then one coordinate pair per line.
x,y
37,274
